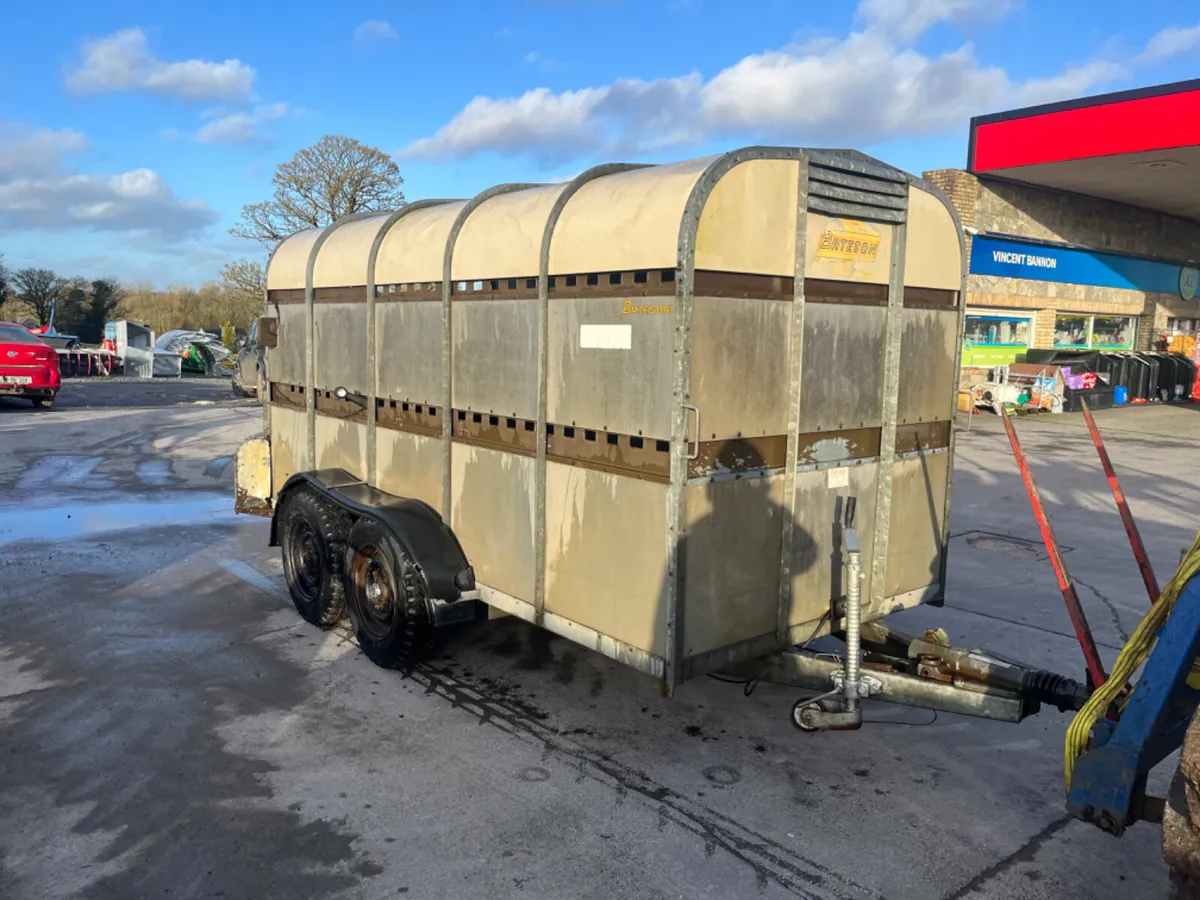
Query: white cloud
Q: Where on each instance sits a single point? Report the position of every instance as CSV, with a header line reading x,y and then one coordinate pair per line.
x,y
559,123
123,62
906,20
27,152
169,134
39,191
241,127
373,31
1171,43
863,90
870,86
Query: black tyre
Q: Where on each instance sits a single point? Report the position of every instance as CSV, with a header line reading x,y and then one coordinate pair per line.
x,y
42,402
385,597
313,531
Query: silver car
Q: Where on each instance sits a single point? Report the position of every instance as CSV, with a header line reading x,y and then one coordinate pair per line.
x,y
248,367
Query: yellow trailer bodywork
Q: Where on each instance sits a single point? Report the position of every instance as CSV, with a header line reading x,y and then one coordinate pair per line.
x,y
641,399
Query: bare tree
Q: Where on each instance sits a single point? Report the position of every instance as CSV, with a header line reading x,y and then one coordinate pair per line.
x,y
243,283
39,288
333,178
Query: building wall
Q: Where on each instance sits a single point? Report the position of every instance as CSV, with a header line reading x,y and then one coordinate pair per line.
x,y
1001,207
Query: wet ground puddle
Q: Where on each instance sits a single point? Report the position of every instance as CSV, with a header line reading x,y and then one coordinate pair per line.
x,y
78,520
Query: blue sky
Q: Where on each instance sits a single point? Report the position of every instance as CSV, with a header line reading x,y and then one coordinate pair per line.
x,y
131,133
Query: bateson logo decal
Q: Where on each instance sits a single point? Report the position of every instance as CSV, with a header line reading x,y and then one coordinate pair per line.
x,y
848,239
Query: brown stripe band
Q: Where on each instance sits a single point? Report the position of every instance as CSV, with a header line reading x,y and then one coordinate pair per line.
x,y
622,454
403,415
332,407
922,436
288,396
640,283
408,292
835,446
618,454
496,432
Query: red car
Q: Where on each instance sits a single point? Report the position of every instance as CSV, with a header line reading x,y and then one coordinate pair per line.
x,y
28,367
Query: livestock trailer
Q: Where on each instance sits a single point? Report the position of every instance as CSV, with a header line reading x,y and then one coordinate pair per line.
x,y
632,409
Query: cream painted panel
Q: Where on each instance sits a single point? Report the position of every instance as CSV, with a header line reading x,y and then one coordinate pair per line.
x,y
341,444
502,238
625,221
606,551
933,255
819,561
842,367
342,259
740,366
409,465
749,220
732,547
408,350
622,390
288,445
289,266
918,512
340,343
929,358
495,356
492,515
415,247
285,362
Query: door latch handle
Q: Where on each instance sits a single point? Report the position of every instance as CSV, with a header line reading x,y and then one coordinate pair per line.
x,y
690,454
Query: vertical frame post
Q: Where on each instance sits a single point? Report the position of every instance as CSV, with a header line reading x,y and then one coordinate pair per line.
x,y
953,437
265,380
891,402
795,384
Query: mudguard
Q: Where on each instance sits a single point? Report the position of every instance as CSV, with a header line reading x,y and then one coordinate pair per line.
x,y
416,525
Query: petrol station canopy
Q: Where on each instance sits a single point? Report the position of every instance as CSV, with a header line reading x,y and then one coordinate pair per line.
x,y
1140,147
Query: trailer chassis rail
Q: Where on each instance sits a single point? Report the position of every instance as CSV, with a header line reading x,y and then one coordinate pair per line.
x,y
923,672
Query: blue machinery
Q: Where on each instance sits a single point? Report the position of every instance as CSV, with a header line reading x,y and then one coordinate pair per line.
x,y
1107,781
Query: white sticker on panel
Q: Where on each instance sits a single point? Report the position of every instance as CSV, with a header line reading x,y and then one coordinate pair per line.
x,y
839,477
606,337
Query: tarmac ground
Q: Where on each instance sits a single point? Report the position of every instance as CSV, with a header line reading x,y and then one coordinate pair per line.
x,y
170,727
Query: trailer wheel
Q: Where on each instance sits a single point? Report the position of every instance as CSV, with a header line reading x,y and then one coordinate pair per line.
x,y
313,529
386,598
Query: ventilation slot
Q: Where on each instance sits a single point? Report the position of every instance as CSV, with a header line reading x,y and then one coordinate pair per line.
x,y
859,189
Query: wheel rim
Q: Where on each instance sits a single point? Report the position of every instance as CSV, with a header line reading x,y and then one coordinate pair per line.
x,y
305,557
374,591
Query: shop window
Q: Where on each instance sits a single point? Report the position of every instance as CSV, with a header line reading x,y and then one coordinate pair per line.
x,y
1183,327
1071,331
995,339
997,331
1112,332
1077,332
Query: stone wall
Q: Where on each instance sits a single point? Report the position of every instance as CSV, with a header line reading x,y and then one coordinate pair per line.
x,y
1024,211
963,190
